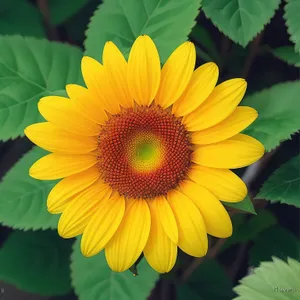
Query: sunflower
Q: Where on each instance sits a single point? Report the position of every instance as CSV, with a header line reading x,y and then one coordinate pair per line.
x,y
144,154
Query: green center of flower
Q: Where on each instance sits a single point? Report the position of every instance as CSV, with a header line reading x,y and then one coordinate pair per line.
x,y
145,152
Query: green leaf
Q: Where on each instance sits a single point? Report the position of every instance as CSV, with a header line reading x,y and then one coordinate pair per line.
x,y
274,241
29,70
93,280
288,55
186,292
284,184
20,17
241,21
244,205
278,113
202,284
37,262
167,22
23,199
276,280
292,19
60,10
248,230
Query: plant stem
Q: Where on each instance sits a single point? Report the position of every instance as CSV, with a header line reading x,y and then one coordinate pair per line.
x,y
44,9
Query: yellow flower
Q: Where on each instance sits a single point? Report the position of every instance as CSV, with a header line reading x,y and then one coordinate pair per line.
x,y
145,154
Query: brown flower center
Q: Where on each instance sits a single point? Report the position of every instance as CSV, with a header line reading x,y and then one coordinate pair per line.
x,y
144,152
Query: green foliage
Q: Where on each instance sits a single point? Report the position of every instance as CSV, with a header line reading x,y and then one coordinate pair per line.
x,y
241,21
204,39
60,10
284,184
288,55
29,70
36,262
245,205
23,199
167,22
277,118
203,282
93,280
276,280
291,16
247,230
20,17
274,241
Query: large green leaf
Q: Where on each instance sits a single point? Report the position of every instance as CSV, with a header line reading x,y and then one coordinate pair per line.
x,y
37,262
30,69
245,205
20,17
60,10
274,241
23,199
202,284
291,16
288,55
278,113
241,20
168,22
93,280
276,280
249,229
284,184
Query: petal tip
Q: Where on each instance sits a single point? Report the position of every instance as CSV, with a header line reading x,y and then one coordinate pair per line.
x,y
27,131
213,67
62,230
85,251
86,61
69,87
243,82
33,173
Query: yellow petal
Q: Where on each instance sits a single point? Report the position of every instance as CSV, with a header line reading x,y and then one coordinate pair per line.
x,y
60,195
160,251
218,106
64,113
224,184
163,211
116,68
241,118
191,226
97,81
102,225
78,213
87,102
238,151
56,166
176,74
143,70
51,138
216,218
129,241
201,85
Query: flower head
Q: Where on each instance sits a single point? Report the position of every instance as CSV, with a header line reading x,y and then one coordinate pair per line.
x,y
144,153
